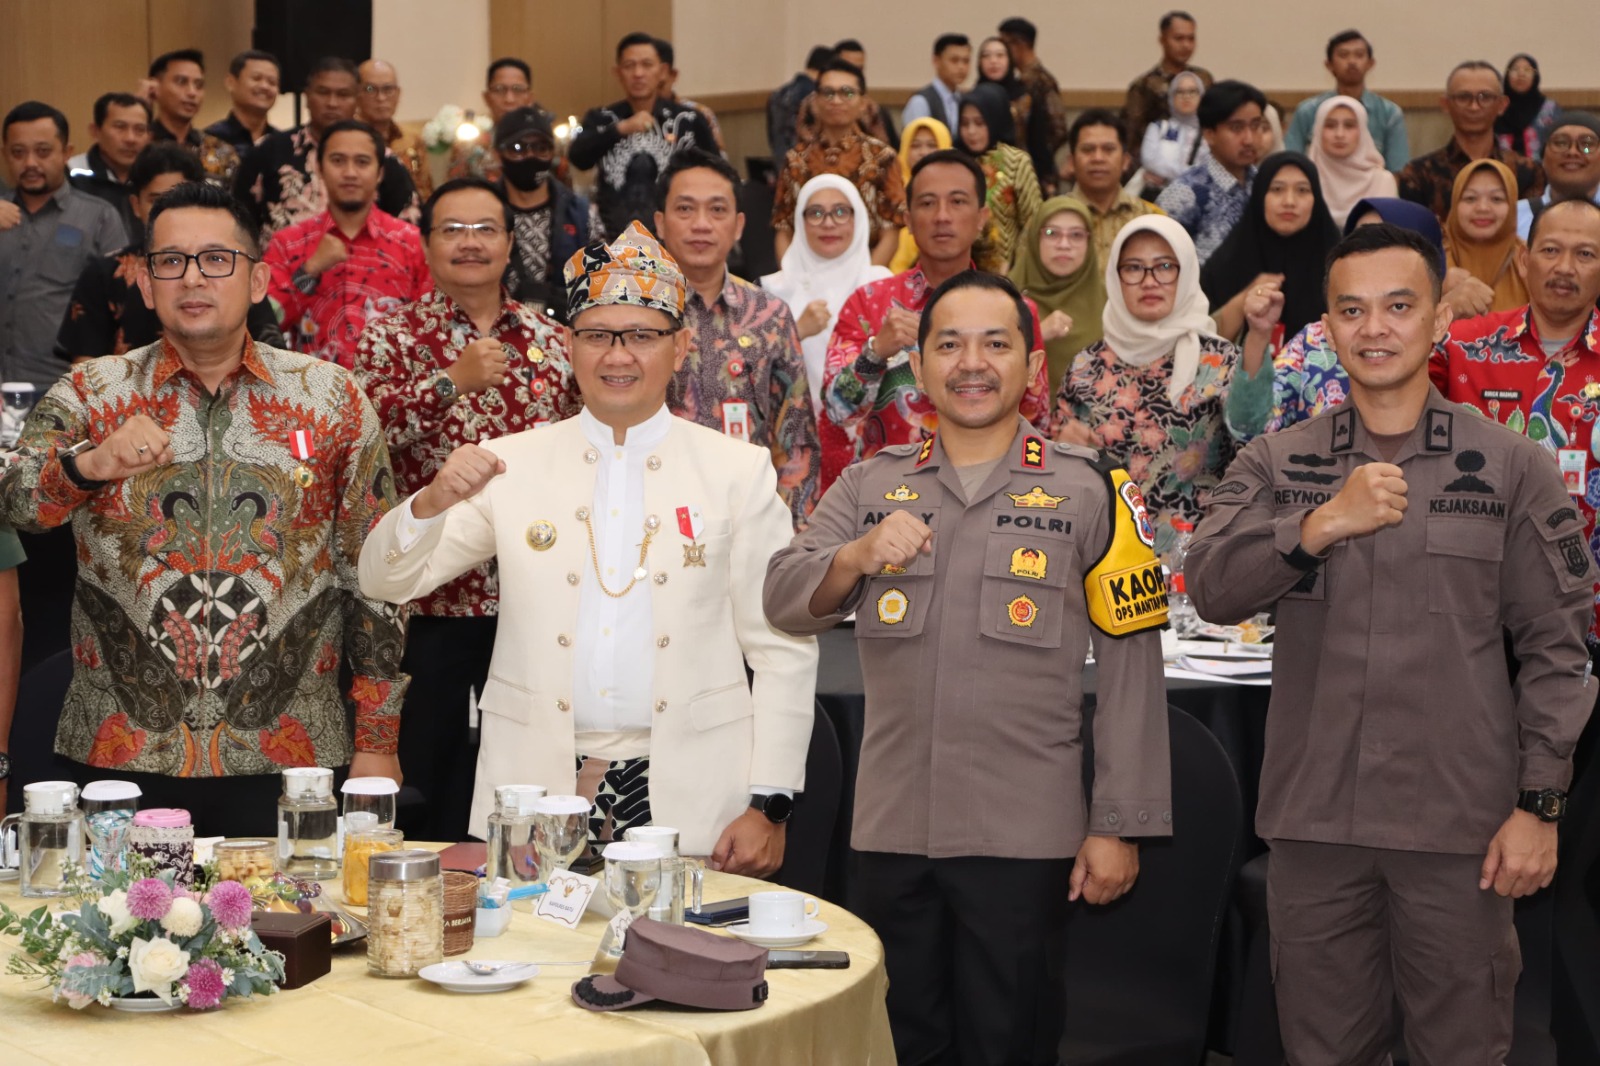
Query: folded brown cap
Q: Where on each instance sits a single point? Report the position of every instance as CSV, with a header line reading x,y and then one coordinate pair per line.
x,y
677,964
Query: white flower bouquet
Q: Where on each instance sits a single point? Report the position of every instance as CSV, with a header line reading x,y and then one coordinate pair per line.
x,y
442,130
136,935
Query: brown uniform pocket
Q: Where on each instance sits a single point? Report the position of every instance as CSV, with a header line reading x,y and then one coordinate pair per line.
x,y
1023,577
895,606
1464,556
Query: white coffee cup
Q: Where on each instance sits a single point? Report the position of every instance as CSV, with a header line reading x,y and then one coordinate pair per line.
x,y
781,913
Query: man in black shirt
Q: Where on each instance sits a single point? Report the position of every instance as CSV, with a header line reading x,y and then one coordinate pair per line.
x,y
252,84
632,139
550,222
107,315
279,182
783,106
179,87
121,128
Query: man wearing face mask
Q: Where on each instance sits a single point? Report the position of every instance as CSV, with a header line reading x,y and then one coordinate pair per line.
x,y
549,221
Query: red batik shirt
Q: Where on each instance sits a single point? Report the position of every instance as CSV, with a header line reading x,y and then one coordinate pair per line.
x,y
870,403
217,597
1496,364
397,360
386,268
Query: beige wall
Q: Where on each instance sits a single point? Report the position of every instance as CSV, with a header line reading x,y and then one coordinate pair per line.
x,y
739,45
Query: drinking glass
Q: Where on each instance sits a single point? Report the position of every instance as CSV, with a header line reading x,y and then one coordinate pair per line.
x,y
560,831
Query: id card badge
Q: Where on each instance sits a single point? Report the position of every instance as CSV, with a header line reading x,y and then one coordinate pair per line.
x,y
1574,468
736,420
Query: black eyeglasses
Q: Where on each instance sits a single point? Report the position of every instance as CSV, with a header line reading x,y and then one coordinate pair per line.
x,y
1483,98
838,212
1134,273
638,339
213,263
1562,143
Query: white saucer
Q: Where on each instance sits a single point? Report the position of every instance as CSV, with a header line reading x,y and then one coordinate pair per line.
x,y
9,873
812,929
143,1005
455,976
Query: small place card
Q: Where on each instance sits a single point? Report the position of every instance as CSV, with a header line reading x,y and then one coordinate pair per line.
x,y
567,899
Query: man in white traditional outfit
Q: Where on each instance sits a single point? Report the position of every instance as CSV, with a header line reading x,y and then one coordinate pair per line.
x,y
632,547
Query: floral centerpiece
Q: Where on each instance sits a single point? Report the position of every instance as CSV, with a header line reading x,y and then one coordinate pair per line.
x,y
138,936
443,130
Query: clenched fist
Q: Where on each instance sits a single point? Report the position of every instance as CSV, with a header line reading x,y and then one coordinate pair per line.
x,y
896,541
899,330
1373,496
10,214
481,365
330,252
813,320
464,474
132,448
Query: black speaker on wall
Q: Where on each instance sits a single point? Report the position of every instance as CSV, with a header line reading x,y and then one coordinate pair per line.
x,y
300,32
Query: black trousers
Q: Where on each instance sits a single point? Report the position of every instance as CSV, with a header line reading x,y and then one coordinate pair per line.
x,y
243,806
447,658
975,949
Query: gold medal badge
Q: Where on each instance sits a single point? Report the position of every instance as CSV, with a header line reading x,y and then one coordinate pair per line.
x,y
541,535
1037,497
892,607
694,554
303,476
1022,611
1029,562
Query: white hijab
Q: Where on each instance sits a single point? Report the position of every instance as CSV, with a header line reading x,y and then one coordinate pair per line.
x,y
1140,343
806,276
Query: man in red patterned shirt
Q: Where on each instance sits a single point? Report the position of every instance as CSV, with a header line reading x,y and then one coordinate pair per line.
x,y
462,365
1537,368
349,262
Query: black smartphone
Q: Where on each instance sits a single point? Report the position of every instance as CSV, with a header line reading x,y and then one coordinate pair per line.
x,y
808,960
590,864
725,913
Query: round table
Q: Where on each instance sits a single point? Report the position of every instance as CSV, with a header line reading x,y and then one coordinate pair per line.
x,y
347,1016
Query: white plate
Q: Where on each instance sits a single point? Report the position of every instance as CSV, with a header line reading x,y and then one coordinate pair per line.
x,y
455,976
809,931
9,873
139,1005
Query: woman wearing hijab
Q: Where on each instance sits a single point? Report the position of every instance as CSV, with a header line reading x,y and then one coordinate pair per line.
x,y
820,271
987,134
1058,269
1169,143
921,137
1306,378
1151,393
995,65
1530,114
1347,158
1280,243
1480,233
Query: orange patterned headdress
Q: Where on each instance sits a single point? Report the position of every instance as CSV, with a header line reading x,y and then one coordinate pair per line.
x,y
634,269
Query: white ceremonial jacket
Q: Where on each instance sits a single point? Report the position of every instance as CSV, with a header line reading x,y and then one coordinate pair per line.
x,y
712,737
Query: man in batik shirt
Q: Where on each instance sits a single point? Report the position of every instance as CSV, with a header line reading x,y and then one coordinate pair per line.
x,y
462,365
219,492
744,374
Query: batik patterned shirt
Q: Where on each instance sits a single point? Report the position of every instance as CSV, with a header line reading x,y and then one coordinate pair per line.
x,y
1176,451
871,400
1497,365
1430,179
745,349
280,184
865,162
397,360
386,268
218,158
217,597
1208,202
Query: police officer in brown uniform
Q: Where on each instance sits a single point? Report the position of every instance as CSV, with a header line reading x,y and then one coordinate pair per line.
x,y
1409,790
980,564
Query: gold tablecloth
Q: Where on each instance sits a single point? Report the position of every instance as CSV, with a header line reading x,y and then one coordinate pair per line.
x,y
811,1016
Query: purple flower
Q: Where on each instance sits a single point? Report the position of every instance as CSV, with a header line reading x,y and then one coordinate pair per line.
x,y
204,981
150,899
230,905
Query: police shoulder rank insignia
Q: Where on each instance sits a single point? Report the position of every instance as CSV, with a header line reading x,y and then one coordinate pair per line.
x,y
1022,612
903,494
925,452
1033,452
892,607
1029,562
1124,589
1037,497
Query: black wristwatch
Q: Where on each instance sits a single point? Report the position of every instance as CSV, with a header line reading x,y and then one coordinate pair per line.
x,y
69,466
777,807
5,766
1550,804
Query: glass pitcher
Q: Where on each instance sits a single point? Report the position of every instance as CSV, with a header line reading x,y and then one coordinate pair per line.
x,y
50,836
681,879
